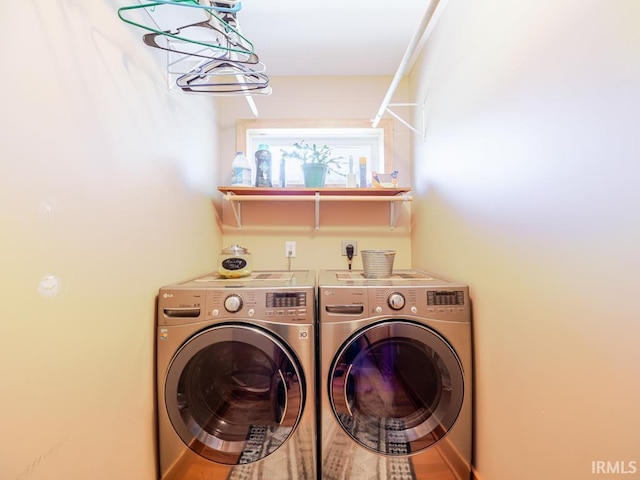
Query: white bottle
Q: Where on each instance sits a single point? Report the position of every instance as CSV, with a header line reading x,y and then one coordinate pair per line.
x,y
240,171
351,176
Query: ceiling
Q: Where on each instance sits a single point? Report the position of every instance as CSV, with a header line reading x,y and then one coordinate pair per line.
x,y
330,37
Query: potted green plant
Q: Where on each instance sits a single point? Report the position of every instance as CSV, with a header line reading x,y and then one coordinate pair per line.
x,y
315,162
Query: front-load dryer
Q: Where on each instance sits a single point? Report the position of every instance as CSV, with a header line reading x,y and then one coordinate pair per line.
x,y
396,377
236,377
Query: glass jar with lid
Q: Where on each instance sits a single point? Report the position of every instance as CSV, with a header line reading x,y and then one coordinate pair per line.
x,y
234,262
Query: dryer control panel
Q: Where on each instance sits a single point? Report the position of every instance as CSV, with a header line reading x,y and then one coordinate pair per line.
x,y
445,303
445,297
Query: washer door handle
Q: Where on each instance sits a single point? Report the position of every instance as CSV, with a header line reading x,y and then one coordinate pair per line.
x,y
286,401
346,382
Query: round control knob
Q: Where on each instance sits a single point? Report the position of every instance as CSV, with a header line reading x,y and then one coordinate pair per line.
x,y
378,309
233,303
396,301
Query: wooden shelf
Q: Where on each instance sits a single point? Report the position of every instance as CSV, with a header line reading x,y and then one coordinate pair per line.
x,y
237,195
351,192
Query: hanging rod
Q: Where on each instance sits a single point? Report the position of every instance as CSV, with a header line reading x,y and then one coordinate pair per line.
x,y
415,45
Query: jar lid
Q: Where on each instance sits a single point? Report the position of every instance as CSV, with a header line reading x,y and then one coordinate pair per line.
x,y
235,249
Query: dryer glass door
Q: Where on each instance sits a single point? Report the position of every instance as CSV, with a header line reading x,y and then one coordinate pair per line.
x,y
234,393
396,387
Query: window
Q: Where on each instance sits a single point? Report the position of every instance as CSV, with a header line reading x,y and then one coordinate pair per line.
x,y
349,139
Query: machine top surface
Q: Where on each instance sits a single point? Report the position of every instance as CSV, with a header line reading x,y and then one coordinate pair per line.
x,y
257,279
273,296
406,278
346,295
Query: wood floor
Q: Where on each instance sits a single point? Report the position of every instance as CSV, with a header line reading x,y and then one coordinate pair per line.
x,y
443,464
203,471
434,471
440,463
430,468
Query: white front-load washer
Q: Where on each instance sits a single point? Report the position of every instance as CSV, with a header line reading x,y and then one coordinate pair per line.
x,y
236,377
396,377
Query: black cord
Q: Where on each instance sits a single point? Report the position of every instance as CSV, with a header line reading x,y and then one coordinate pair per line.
x,y
349,249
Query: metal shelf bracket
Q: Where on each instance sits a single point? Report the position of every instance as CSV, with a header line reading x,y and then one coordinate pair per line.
x,y
236,206
421,133
317,197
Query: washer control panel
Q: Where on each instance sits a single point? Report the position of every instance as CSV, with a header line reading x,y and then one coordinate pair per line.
x,y
233,303
286,299
280,306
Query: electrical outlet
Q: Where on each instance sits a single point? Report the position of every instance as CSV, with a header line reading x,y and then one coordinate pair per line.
x,y
289,249
349,242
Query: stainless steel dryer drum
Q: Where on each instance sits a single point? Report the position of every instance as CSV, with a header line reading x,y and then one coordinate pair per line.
x,y
236,378
396,377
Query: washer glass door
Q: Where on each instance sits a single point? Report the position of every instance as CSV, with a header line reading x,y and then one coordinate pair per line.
x,y
234,393
396,387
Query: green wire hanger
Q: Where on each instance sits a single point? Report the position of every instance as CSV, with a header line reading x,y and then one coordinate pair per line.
x,y
228,29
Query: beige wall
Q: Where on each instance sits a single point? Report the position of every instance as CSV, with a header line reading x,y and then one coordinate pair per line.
x,y
527,190
106,183
266,227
